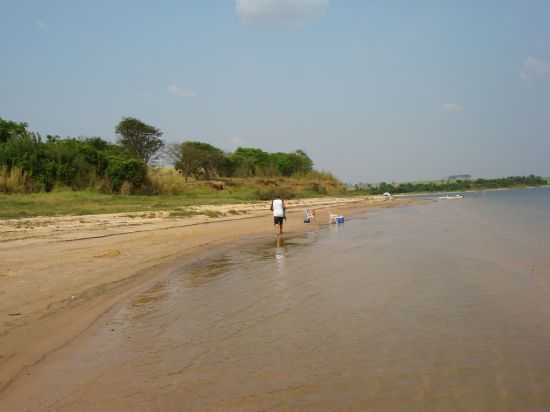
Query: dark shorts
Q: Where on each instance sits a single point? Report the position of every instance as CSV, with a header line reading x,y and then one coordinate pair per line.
x,y
278,220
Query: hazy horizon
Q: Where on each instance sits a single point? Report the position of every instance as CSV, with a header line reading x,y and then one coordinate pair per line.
x,y
371,91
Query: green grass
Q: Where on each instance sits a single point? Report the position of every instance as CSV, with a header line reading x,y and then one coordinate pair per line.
x,y
89,203
16,206
59,203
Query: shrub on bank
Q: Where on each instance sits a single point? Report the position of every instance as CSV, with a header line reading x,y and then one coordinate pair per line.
x,y
130,171
165,181
31,163
14,180
77,164
272,193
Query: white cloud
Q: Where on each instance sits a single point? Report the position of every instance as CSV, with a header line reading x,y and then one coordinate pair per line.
x,y
453,107
285,12
178,91
534,69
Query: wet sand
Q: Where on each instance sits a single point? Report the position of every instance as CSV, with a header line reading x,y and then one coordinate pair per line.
x,y
439,307
58,275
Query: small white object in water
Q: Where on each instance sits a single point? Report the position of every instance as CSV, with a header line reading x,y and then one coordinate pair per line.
x,y
452,197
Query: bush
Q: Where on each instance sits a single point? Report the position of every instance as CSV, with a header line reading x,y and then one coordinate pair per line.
x,y
25,152
133,171
9,129
56,163
72,163
272,193
165,181
319,188
69,163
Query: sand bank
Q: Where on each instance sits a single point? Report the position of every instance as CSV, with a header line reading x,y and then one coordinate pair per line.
x,y
58,275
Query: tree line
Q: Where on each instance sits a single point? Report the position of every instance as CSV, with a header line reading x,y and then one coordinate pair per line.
x,y
85,162
204,161
454,185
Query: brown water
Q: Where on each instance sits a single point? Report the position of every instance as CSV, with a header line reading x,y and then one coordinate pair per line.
x,y
439,307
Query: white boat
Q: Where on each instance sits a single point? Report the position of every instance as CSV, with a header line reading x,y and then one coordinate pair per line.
x,y
452,197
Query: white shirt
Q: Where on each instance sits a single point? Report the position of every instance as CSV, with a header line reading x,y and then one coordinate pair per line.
x,y
278,208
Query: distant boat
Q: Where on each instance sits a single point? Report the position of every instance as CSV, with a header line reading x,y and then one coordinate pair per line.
x,y
452,197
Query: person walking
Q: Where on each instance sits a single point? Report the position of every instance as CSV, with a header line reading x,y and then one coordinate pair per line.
x,y
278,207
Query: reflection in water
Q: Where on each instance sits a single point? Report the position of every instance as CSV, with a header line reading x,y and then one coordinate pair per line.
x,y
442,307
280,253
280,275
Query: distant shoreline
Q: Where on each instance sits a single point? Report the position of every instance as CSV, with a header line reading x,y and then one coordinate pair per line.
x,y
498,189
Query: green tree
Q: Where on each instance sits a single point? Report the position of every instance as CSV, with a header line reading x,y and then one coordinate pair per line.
x,y
289,164
121,170
140,139
10,129
306,164
201,160
249,161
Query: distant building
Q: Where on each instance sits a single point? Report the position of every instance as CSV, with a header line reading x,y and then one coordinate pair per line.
x,y
460,177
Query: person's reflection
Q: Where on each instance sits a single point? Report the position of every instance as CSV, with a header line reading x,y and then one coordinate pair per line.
x,y
280,253
280,276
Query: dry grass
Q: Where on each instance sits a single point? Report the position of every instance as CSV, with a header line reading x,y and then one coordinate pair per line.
x,y
170,192
166,181
183,212
212,213
126,188
14,180
236,212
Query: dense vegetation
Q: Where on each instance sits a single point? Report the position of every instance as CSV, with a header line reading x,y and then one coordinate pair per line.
x,y
31,163
454,185
202,160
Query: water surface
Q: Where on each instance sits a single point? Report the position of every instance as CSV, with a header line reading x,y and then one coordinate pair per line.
x,y
437,307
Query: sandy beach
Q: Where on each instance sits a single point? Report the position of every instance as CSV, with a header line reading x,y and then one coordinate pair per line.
x,y
58,275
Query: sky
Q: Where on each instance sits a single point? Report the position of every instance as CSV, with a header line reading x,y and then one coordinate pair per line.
x,y
371,90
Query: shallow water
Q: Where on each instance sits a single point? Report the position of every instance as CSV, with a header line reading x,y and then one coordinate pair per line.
x,y
438,307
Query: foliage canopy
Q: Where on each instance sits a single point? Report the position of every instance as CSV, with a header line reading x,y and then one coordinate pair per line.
x,y
140,139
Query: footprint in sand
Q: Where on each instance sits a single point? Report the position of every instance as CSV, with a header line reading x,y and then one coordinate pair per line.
x,y
109,253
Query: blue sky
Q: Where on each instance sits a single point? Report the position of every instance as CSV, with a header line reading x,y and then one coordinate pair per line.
x,y
372,90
